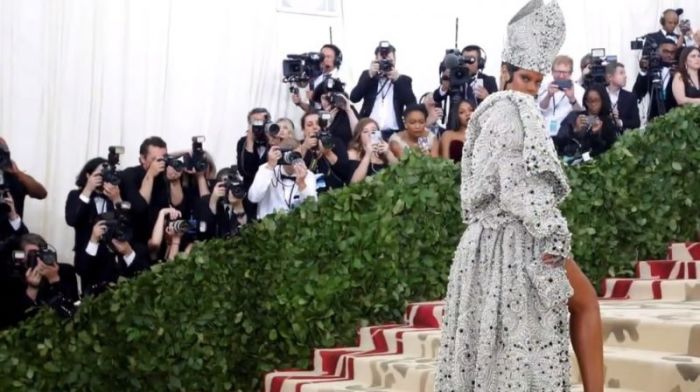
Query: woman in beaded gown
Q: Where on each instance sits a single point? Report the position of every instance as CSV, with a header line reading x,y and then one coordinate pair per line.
x,y
512,283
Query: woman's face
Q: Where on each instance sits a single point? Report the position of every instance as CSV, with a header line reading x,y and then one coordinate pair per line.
x,y
415,123
326,102
311,126
285,129
693,61
366,134
524,81
594,102
465,113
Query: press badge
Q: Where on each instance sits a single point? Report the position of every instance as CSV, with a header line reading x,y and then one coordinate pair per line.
x,y
553,127
586,156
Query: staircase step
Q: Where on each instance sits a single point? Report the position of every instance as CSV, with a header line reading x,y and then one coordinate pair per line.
x,y
637,289
667,269
684,251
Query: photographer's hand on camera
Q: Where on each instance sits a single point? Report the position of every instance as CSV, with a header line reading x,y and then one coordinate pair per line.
x,y
10,202
98,230
373,69
112,192
273,156
644,64
93,183
33,279
597,126
581,123
217,194
300,172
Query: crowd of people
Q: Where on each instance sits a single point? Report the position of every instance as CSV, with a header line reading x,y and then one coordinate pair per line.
x,y
127,220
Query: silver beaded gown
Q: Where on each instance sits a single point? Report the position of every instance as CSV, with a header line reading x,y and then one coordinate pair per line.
x,y
506,321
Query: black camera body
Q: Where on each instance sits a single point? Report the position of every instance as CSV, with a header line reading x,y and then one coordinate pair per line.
x,y
385,66
182,226
300,68
4,194
176,163
338,100
234,184
196,160
289,157
261,129
47,255
599,61
460,74
117,223
326,138
109,169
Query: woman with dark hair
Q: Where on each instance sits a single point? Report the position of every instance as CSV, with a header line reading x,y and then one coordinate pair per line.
x,y
590,132
452,141
686,81
368,152
415,136
94,260
512,282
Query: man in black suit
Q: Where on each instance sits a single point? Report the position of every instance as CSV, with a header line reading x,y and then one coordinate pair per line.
x,y
669,22
624,103
663,101
384,92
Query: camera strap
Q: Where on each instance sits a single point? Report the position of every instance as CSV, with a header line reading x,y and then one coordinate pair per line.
x,y
384,85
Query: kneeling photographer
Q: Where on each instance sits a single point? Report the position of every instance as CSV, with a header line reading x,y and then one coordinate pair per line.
x,y
223,211
38,279
110,251
283,182
586,134
323,153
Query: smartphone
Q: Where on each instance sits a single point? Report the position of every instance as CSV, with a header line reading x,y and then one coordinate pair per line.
x,y
377,137
564,84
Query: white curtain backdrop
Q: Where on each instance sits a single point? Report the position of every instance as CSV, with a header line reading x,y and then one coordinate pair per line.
x,y
77,76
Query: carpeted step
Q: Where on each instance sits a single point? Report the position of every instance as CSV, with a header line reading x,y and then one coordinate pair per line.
x,y
637,289
667,269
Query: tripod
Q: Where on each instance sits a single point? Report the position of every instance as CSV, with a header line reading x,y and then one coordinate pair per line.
x,y
656,94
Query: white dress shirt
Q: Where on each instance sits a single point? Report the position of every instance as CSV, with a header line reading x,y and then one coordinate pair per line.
x,y
272,193
383,110
559,106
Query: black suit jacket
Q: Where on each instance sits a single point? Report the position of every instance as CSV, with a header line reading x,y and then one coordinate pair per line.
x,y
366,90
628,110
641,89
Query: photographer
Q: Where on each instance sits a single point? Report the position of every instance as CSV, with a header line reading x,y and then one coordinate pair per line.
x,y
384,92
39,280
334,100
108,254
323,153
588,133
11,224
625,110
655,78
283,182
252,149
672,30
559,96
480,85
16,181
151,186
176,232
332,59
223,210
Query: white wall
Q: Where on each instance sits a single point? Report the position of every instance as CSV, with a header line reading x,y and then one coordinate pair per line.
x,y
79,75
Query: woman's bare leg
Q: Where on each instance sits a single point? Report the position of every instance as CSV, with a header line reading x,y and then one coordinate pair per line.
x,y
586,329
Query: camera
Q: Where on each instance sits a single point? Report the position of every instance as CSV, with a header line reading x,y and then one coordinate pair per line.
x,y
385,65
117,223
182,226
684,26
338,100
196,160
233,183
289,157
459,72
300,68
597,68
109,168
176,163
30,259
5,160
263,128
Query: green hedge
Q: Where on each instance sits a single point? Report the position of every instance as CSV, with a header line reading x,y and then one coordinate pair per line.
x,y
231,311
637,197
